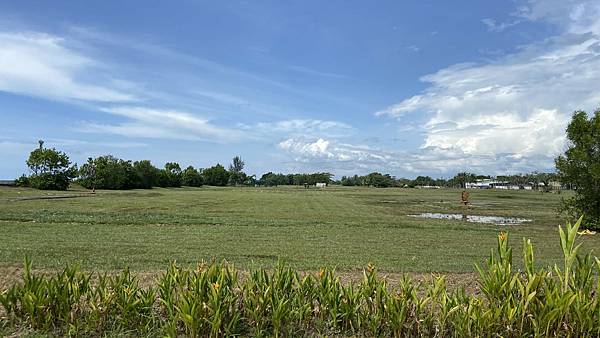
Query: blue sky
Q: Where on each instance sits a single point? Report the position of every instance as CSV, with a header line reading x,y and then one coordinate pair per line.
x,y
406,88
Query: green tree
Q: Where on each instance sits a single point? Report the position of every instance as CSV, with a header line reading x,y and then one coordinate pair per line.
x,y
424,181
580,167
147,173
191,177
236,175
108,172
216,175
379,180
237,164
51,169
173,171
460,180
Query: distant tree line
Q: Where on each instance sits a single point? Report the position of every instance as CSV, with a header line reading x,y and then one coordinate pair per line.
x,y
460,180
108,172
52,170
271,179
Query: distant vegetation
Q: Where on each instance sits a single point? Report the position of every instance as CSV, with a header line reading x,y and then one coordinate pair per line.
x,y
52,170
460,180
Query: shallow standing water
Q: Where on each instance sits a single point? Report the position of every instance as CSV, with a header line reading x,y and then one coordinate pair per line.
x,y
498,220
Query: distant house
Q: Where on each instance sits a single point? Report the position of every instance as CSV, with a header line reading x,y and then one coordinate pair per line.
x,y
321,185
483,184
554,185
8,183
494,184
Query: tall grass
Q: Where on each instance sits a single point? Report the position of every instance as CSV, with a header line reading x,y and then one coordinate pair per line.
x,y
211,300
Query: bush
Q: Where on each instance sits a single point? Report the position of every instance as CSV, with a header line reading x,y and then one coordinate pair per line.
x,y
23,181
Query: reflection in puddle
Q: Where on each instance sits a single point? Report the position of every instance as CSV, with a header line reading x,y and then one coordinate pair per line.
x,y
499,220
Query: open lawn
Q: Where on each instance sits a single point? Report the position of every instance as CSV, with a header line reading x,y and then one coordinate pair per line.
x,y
308,228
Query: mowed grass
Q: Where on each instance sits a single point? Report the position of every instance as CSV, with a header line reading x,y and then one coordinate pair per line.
x,y
338,227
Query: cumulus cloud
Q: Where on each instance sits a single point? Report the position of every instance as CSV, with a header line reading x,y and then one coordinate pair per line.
x,y
514,110
320,153
337,154
42,65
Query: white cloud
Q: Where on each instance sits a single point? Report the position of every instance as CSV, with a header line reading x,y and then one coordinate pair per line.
x,y
573,16
337,154
298,127
157,123
494,26
514,110
42,65
349,159
222,97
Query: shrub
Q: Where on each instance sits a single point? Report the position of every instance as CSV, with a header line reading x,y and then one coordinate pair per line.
x,y
23,181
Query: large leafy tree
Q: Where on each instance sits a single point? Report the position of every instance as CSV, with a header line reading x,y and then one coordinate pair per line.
x,y
216,175
147,173
461,179
108,172
173,171
579,166
379,180
191,177
51,169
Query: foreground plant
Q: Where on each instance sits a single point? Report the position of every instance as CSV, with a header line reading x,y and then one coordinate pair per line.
x,y
211,300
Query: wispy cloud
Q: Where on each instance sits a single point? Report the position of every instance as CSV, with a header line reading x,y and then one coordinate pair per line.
x,y
298,127
222,97
42,65
146,122
494,26
309,71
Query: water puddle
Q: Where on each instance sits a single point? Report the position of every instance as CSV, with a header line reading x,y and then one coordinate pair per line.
x,y
498,220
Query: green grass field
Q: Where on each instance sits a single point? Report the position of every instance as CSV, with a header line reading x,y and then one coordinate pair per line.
x,y
308,228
